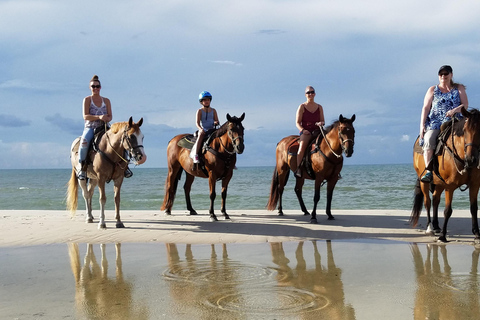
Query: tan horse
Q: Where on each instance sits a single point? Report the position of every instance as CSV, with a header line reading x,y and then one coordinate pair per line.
x,y
106,164
326,163
219,160
458,165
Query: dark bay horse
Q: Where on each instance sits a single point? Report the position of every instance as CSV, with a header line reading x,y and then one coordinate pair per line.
x,y
326,163
219,160
106,164
457,166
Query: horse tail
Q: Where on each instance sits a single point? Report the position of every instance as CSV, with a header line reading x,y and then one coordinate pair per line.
x,y
171,191
274,194
417,204
72,193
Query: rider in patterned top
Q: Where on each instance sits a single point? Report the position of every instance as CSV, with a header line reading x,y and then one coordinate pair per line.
x,y
441,103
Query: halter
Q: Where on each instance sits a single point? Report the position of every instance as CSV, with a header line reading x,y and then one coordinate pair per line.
x,y
130,149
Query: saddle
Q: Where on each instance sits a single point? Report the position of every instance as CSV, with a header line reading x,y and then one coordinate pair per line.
x,y
311,148
188,141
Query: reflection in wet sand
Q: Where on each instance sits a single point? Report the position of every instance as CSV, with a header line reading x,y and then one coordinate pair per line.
x,y
225,288
443,294
324,283
97,296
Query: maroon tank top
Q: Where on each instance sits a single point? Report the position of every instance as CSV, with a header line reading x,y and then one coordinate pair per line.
x,y
310,118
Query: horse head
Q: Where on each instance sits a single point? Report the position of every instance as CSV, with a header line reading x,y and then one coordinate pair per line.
x,y
133,141
471,133
235,132
346,133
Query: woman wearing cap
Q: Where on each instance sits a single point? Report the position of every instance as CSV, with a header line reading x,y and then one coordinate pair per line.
x,y
309,118
207,119
441,102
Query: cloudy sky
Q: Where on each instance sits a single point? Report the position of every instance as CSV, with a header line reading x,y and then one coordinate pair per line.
x,y
374,59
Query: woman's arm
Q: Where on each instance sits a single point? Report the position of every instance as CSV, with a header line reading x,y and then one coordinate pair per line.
x,y
299,118
427,105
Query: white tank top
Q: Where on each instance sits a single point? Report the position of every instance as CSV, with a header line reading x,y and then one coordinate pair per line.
x,y
96,111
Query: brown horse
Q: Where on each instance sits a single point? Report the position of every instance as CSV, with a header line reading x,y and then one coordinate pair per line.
x,y
457,166
219,161
326,163
106,164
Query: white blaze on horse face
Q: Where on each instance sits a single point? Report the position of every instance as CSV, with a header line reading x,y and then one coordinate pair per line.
x,y
139,136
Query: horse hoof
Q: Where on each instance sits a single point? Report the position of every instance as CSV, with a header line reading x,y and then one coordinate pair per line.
x,y
442,239
306,214
193,213
168,213
227,217
313,221
120,225
476,241
213,219
102,226
89,220
331,218
429,233
280,214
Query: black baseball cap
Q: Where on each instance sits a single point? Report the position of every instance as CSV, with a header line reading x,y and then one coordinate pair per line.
x,y
445,68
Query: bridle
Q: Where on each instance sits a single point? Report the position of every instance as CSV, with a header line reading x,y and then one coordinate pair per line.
x,y
230,135
342,144
131,149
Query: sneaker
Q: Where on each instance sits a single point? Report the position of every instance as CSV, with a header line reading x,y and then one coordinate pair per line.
x,y
428,177
82,175
195,159
128,173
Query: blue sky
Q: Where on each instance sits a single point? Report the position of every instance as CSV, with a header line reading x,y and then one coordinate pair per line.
x,y
374,59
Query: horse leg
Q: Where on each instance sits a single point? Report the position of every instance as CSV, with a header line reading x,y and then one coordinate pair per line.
x,y
447,213
434,225
116,190
330,187
102,200
225,182
316,198
427,202
298,191
282,181
211,181
473,193
187,186
87,196
171,183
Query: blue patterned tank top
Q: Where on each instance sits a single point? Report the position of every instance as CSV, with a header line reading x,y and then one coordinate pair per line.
x,y
206,120
442,102
96,111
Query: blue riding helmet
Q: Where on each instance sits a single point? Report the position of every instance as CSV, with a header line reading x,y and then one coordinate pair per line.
x,y
203,95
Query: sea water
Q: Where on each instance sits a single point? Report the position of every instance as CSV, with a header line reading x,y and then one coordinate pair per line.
x,y
361,187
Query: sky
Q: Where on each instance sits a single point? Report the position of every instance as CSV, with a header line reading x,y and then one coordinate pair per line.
x,y
375,59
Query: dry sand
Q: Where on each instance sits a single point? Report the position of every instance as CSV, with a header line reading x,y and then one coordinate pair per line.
x,y
28,227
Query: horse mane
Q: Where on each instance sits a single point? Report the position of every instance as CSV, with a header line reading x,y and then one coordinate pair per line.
x,y
117,126
474,119
224,127
330,127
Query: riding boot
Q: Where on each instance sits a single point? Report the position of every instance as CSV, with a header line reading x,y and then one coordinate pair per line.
x,y
128,173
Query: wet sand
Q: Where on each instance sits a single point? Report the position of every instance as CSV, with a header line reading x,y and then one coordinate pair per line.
x,y
24,227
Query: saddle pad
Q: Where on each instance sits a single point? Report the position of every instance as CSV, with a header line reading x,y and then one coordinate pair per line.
x,y
293,147
187,142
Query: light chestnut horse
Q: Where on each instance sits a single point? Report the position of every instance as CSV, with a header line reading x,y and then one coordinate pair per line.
x,y
106,164
326,163
458,165
219,160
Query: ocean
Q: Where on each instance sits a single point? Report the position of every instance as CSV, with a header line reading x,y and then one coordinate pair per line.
x,y
368,187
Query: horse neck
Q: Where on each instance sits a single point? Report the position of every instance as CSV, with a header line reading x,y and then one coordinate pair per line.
x,y
224,143
112,144
333,140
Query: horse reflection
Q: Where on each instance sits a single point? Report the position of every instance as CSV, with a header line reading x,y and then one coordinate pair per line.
x,y
97,296
323,282
195,280
437,296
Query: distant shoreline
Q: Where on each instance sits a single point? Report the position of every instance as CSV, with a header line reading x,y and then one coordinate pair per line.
x,y
32,227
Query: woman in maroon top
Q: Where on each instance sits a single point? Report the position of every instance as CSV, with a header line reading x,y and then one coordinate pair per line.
x,y
309,118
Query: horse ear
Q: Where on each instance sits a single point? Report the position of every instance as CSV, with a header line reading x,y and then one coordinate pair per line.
x,y
341,118
130,122
465,113
242,117
140,122
353,117
229,118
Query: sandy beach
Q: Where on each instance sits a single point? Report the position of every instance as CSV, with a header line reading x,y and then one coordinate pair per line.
x,y
28,227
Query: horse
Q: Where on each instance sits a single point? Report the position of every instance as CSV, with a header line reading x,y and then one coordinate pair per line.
x,y
458,165
219,162
326,163
108,163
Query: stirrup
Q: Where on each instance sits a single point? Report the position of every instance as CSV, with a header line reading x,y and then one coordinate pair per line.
x,y
128,173
82,175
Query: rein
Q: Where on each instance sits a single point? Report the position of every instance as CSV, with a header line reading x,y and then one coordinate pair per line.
x,y
328,143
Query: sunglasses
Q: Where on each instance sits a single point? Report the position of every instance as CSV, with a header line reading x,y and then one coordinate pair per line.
x,y
310,92
95,86
206,99
443,74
